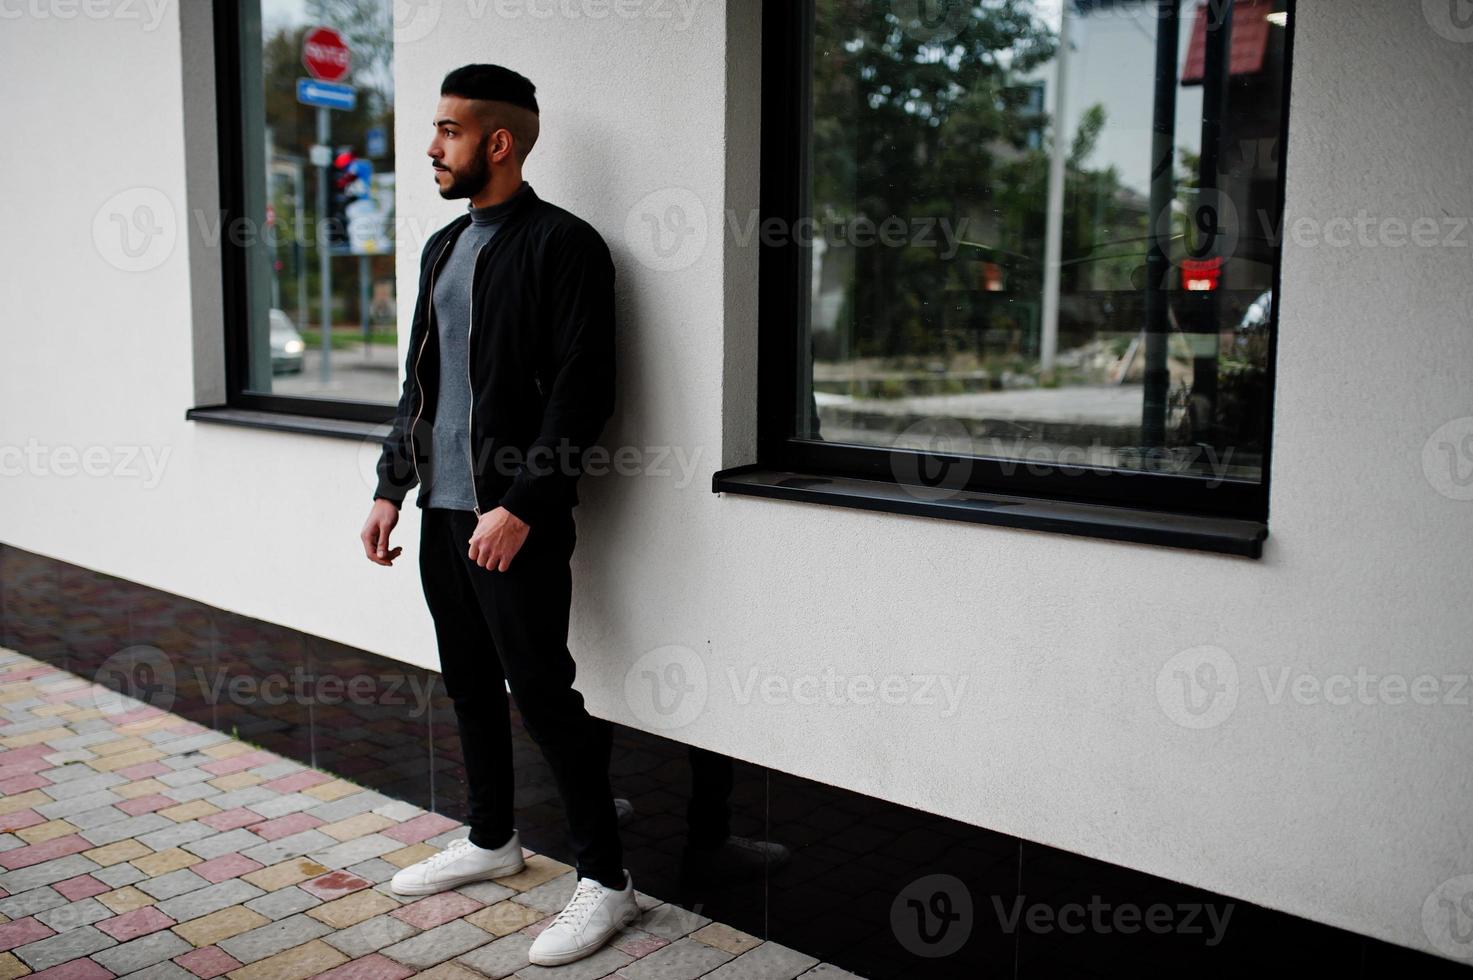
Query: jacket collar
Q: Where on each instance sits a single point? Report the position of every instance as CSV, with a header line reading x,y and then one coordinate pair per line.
x,y
521,205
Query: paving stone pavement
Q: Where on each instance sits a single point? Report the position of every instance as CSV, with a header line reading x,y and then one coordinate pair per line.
x,y
136,843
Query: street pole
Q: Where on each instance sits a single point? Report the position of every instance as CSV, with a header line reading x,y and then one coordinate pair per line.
x,y
364,271
324,137
299,197
1053,254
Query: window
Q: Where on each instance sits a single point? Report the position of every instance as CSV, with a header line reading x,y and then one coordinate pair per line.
x,y
1031,248
306,96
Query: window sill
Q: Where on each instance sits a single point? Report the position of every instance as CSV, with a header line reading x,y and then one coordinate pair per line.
x,y
283,422
1216,534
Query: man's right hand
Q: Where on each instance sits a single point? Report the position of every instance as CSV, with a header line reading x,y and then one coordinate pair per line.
x,y
381,520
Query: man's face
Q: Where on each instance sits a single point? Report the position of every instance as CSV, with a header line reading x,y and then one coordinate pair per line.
x,y
458,150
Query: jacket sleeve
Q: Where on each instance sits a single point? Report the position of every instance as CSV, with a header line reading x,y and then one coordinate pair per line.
x,y
395,470
578,293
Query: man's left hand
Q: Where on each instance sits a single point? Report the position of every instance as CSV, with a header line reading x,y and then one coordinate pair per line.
x,y
497,539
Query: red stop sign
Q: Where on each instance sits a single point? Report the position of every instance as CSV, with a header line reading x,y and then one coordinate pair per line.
x,y
325,54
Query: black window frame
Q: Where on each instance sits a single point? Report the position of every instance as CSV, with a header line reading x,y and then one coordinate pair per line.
x,y
783,306
243,406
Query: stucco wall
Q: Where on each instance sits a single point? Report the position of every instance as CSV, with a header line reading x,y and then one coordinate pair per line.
x,y
1065,722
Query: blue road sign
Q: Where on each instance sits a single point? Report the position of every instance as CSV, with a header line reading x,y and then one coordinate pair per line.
x,y
376,144
328,95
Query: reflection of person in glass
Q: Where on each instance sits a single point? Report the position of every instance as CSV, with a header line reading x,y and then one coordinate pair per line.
x,y
712,851
511,349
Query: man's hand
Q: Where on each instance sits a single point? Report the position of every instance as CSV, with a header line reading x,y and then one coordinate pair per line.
x,y
381,521
497,539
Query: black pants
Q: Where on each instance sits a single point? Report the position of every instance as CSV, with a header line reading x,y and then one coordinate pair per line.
x,y
511,628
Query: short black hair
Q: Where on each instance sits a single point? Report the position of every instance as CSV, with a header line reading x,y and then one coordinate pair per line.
x,y
492,83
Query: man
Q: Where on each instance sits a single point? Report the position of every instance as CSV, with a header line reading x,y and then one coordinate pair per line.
x,y
508,380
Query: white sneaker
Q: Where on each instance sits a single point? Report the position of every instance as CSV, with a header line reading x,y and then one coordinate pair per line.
x,y
591,918
460,862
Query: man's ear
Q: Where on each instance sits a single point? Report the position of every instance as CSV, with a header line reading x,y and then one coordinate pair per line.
x,y
508,140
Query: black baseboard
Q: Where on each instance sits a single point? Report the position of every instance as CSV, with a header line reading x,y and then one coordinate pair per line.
x,y
878,889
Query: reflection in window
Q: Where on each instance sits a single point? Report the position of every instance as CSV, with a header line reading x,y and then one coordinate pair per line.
x,y
319,315
983,179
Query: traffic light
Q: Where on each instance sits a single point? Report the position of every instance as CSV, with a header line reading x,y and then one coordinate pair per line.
x,y
340,179
350,180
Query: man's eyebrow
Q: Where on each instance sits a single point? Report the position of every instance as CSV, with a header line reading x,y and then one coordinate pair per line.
x,y
445,122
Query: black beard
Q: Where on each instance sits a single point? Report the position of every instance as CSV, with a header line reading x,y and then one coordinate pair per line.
x,y
470,183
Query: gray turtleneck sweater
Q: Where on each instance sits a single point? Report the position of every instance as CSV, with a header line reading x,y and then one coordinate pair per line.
x,y
450,452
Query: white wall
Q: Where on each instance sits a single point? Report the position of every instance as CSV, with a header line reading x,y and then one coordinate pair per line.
x,y
1349,814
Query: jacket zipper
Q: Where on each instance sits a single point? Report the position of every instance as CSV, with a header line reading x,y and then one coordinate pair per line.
x,y
470,421
430,325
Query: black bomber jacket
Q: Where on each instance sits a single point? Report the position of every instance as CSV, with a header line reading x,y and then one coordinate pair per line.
x,y
540,356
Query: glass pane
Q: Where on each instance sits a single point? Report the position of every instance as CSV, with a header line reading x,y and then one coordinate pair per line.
x,y
319,198
971,291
